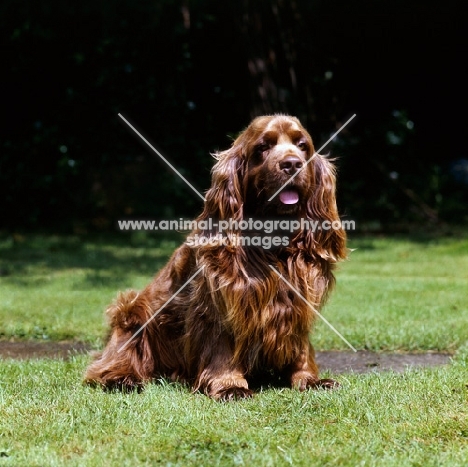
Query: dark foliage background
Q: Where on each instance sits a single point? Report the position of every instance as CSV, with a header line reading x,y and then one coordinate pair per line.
x,y
191,74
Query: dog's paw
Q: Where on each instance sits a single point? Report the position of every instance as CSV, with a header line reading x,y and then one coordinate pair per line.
x,y
232,394
122,384
228,386
303,380
324,384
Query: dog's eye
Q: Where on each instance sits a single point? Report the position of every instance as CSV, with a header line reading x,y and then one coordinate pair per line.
x,y
262,147
302,145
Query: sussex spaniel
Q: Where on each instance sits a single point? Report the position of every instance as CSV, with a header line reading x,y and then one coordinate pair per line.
x,y
237,320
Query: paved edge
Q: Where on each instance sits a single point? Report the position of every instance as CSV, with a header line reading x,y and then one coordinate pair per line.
x,y
362,361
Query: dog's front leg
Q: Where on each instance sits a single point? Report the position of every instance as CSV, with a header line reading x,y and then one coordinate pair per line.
x,y
305,374
217,376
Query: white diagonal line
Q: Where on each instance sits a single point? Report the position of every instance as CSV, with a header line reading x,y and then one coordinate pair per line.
x,y
313,155
313,309
334,134
158,311
162,157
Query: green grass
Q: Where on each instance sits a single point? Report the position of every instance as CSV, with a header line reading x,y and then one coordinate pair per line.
x,y
395,294
392,294
56,288
419,418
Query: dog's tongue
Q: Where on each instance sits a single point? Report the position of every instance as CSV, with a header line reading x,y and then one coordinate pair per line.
x,y
289,197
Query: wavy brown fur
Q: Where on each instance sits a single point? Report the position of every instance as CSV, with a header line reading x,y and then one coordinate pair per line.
x,y
236,319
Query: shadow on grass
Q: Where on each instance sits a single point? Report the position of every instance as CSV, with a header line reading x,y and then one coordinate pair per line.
x,y
110,260
454,240
105,260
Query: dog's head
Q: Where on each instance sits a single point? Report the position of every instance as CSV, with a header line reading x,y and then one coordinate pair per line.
x,y
272,171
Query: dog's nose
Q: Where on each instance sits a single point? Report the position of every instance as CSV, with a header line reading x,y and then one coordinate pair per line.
x,y
290,164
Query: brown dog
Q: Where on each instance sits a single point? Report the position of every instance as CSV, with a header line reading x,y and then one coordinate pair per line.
x,y
236,319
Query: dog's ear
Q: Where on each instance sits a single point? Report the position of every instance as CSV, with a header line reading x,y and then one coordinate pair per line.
x,y
329,238
225,199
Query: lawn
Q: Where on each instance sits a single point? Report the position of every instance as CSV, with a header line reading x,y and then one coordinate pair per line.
x,y
392,294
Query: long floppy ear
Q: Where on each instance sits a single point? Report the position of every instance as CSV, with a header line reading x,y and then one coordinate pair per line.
x,y
225,199
329,238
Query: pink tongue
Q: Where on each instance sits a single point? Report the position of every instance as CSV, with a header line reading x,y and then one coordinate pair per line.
x,y
289,197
